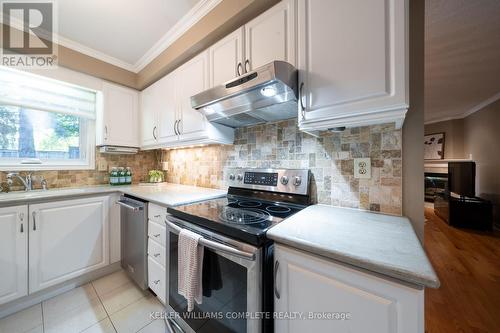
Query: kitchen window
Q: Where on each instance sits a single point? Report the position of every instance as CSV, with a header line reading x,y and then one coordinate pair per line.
x,y
45,124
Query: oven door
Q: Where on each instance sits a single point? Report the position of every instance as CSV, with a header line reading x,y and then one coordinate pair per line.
x,y
232,280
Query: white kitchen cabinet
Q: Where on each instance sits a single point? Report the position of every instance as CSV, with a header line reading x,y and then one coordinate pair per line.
x,y
271,36
312,285
13,253
117,120
168,120
353,63
114,228
67,239
226,58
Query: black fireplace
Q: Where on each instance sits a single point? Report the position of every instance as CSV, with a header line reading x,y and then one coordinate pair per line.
x,y
435,184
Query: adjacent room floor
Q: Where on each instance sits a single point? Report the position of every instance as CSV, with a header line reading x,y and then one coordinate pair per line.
x,y
108,305
468,265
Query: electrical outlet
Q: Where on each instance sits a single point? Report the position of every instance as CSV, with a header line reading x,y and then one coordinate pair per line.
x,y
102,165
362,168
164,166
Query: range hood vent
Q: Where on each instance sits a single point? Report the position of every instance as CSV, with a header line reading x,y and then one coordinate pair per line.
x,y
118,150
266,94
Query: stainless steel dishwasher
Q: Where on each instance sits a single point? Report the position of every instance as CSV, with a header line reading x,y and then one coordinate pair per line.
x,y
134,235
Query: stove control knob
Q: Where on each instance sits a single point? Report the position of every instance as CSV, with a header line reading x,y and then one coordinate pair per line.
x,y
239,177
297,181
231,177
284,180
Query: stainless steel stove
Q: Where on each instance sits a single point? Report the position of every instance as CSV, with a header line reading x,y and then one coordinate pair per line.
x,y
237,270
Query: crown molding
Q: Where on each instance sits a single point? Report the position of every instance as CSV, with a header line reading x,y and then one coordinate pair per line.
x,y
202,8
467,113
195,14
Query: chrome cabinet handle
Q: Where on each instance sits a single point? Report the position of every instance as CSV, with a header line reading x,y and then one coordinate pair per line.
x,y
105,132
276,268
156,282
175,127
154,132
303,109
156,255
178,124
157,235
34,221
157,216
238,67
22,227
247,62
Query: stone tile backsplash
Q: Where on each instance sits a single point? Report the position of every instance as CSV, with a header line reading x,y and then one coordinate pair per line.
x,y
140,163
330,158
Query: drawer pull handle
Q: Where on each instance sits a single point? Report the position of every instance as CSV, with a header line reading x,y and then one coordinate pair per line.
x,y
156,282
157,216
157,235
156,255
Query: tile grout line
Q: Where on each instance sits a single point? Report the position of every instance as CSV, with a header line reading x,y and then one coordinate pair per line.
x,y
105,310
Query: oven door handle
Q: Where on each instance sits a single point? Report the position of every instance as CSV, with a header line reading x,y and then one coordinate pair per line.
x,y
216,246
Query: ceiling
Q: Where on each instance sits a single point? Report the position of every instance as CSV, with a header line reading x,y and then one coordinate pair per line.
x,y
462,57
122,32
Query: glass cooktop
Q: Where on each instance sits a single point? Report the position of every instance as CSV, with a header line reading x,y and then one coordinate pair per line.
x,y
242,218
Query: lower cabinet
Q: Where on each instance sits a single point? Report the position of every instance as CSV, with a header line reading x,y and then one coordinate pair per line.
x,y
67,239
13,253
157,234
337,298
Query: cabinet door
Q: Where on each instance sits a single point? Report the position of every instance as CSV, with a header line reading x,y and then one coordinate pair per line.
x,y
192,79
271,36
120,114
149,116
67,239
226,58
311,285
352,60
166,109
13,253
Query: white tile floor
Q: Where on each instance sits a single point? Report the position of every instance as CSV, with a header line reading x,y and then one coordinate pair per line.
x,y
112,304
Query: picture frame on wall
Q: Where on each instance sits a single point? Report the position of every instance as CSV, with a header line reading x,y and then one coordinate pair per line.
x,y
434,146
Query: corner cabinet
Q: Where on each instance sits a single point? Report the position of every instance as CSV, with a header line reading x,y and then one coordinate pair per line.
x,y
353,63
67,239
117,120
13,253
315,286
168,120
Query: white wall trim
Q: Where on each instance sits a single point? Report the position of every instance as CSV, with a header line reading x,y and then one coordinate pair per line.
x,y
467,113
202,8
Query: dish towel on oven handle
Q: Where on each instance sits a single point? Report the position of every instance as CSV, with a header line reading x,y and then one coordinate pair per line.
x,y
190,264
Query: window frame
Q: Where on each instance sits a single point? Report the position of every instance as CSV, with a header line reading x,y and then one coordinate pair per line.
x,y
87,137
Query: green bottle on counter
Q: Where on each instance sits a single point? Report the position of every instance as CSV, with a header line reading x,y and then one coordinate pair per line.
x,y
113,176
128,176
122,176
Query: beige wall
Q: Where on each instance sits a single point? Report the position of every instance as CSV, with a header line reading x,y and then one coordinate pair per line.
x,y
481,141
413,129
453,137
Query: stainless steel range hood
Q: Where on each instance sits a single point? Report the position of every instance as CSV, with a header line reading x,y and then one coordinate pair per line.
x,y
266,94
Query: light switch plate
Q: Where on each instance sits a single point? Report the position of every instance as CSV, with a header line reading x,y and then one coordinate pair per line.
x,y
362,168
102,165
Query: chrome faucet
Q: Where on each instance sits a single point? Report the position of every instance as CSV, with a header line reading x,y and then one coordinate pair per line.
x,y
27,181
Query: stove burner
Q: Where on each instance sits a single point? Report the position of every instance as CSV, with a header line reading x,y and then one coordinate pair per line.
x,y
278,209
243,216
249,204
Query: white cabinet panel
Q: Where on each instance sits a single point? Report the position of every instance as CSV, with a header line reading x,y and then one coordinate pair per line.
x,y
166,108
226,58
114,229
157,232
13,253
271,36
309,284
352,62
120,115
67,239
149,116
192,79
156,279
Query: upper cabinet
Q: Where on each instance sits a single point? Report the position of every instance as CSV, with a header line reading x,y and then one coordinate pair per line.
x,y
226,58
353,60
117,120
271,36
168,120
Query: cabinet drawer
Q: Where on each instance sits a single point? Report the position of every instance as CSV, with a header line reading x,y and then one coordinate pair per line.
x,y
157,252
157,213
157,232
156,279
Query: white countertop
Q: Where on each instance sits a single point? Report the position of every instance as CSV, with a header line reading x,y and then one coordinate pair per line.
x,y
376,242
165,194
